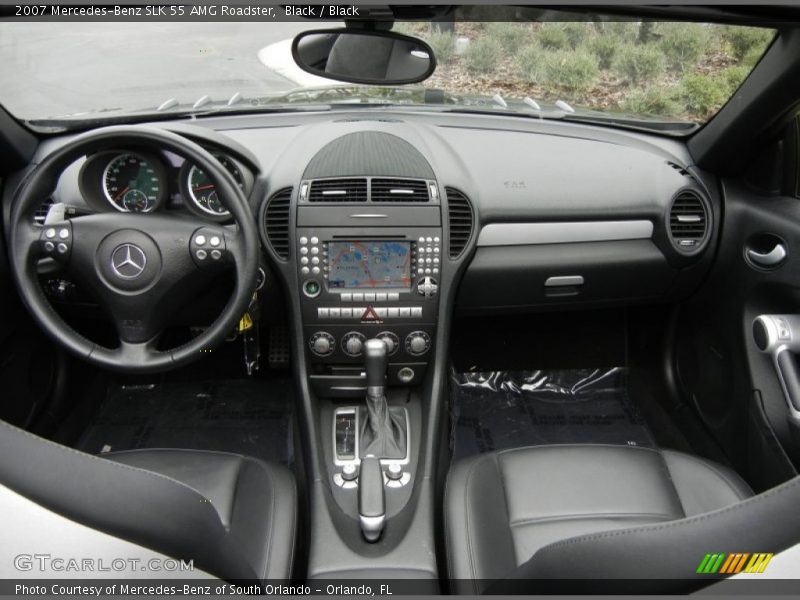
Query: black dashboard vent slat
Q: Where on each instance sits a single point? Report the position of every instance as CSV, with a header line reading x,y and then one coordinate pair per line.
x,y
338,190
276,217
399,190
41,213
461,221
688,221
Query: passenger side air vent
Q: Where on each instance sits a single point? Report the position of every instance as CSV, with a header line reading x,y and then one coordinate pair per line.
x,y
688,221
338,190
276,222
41,213
399,190
461,220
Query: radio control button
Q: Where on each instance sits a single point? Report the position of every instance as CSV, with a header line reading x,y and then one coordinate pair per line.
x,y
436,240
335,313
422,240
315,270
315,250
303,260
393,312
405,312
358,297
303,240
315,240
303,250
347,313
369,297
347,297
393,296
381,312
437,250
305,270
427,271
435,271
380,297
436,260
322,313
315,260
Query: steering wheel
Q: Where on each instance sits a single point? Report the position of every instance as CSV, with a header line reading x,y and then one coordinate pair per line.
x,y
142,267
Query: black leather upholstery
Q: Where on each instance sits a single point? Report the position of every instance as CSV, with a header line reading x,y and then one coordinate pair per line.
x,y
234,516
504,508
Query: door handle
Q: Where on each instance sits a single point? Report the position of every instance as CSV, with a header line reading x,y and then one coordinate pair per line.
x,y
768,259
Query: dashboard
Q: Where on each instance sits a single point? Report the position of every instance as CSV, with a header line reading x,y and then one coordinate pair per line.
x,y
375,221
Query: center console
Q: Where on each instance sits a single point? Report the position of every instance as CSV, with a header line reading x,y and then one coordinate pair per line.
x,y
359,283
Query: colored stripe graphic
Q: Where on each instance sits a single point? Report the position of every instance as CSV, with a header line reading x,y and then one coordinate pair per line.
x,y
758,563
729,564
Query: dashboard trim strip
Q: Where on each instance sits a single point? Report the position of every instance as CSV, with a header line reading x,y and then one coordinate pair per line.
x,y
519,234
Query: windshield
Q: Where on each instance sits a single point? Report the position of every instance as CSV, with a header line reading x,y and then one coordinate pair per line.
x,y
647,73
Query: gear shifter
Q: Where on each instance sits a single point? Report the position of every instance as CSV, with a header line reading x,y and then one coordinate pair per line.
x,y
384,434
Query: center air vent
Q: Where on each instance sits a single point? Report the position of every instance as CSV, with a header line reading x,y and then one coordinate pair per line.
x,y
399,190
688,221
460,219
338,190
276,222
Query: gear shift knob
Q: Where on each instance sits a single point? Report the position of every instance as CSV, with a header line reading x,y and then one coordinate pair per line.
x,y
375,360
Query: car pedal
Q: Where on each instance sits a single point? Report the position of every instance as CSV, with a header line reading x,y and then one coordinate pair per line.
x,y
279,347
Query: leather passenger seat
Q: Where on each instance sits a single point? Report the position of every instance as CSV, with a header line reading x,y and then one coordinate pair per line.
x,y
234,516
567,512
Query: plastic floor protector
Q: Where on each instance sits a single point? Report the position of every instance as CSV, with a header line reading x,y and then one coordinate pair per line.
x,y
249,417
513,409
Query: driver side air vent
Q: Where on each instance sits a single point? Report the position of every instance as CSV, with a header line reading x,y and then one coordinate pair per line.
x,y
338,190
276,222
460,219
688,221
41,213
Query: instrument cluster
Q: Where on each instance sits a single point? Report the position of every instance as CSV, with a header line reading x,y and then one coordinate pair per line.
x,y
134,180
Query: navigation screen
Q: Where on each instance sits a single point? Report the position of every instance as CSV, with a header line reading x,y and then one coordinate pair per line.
x,y
364,265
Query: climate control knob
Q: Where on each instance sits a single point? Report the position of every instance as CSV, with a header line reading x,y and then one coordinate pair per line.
x,y
417,343
322,343
391,341
353,343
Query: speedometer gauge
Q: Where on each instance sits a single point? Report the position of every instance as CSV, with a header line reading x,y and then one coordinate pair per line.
x,y
203,192
132,184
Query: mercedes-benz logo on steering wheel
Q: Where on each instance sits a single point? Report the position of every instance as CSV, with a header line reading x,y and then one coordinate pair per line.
x,y
128,261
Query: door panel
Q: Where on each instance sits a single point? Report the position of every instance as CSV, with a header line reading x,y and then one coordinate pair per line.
x,y
734,387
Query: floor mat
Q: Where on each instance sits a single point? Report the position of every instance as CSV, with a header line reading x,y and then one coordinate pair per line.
x,y
510,409
250,417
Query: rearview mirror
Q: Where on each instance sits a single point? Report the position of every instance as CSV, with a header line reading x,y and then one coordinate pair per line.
x,y
369,57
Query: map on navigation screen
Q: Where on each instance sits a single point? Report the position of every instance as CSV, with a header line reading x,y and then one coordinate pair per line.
x,y
356,265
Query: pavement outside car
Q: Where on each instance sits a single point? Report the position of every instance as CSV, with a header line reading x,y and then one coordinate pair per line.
x,y
56,69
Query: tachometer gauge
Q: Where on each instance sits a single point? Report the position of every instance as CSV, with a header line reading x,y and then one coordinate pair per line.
x,y
132,184
203,192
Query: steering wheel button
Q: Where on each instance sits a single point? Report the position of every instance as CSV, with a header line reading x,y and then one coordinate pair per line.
x,y
216,254
214,241
63,234
49,246
201,254
62,248
50,233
